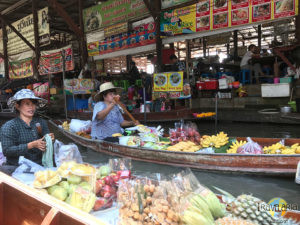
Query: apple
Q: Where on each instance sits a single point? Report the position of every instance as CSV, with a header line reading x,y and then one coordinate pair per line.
x,y
108,180
106,191
99,185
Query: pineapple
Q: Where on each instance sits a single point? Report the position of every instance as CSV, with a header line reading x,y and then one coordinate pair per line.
x,y
246,207
233,221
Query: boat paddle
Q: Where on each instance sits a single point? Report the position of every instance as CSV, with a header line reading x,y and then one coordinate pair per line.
x,y
117,100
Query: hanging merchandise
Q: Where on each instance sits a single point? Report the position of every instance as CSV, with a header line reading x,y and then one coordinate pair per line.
x,y
21,69
52,61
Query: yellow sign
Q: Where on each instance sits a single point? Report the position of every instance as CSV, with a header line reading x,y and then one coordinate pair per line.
x,y
175,81
161,82
115,29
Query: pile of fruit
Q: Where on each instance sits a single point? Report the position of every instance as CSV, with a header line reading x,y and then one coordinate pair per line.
x,y
203,115
280,148
66,126
184,146
234,146
215,141
185,134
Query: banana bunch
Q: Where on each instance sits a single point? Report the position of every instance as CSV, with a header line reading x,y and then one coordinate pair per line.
x,y
296,147
288,151
235,145
66,125
216,141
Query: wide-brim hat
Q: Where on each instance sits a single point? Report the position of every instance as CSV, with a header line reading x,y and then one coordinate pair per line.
x,y
25,94
108,86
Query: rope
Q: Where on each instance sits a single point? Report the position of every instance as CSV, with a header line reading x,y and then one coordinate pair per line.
x,y
47,159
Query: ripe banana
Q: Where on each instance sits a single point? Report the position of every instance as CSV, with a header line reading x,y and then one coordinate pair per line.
x,y
235,145
216,141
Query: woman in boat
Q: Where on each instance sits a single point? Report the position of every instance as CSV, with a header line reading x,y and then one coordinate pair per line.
x,y
24,135
107,118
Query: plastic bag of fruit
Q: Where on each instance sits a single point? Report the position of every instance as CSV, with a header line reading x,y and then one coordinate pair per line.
x,y
146,201
122,167
184,132
250,147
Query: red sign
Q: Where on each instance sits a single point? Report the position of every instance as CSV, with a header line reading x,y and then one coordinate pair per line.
x,y
220,6
240,16
261,10
237,4
284,8
220,20
203,15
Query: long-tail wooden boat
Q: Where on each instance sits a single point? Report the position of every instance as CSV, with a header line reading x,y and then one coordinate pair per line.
x,y
172,115
277,165
21,204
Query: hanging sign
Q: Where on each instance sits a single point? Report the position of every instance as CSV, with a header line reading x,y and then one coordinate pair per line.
x,y
261,10
52,61
170,3
240,12
21,69
78,86
93,48
112,12
220,14
25,26
175,81
115,29
284,8
160,82
203,20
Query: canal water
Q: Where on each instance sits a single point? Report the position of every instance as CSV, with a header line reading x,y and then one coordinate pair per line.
x,y
263,187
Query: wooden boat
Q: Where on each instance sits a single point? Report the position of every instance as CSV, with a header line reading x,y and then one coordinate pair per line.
x,y
277,165
173,115
21,204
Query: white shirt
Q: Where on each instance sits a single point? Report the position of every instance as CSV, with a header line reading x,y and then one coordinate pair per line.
x,y
246,58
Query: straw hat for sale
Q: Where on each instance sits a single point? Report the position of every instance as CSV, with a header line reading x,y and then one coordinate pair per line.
x,y
25,94
108,86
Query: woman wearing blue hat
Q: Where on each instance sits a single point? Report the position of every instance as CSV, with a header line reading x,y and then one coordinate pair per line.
x,y
24,135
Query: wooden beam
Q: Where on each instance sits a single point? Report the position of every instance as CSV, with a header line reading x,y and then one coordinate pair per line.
x,y
5,54
259,36
150,8
62,12
16,31
235,44
14,7
36,35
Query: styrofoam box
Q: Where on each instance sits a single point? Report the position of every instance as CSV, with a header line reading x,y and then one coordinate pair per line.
x,y
275,90
223,83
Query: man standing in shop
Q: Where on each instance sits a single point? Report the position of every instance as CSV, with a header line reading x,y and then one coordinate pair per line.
x,y
246,64
174,63
134,73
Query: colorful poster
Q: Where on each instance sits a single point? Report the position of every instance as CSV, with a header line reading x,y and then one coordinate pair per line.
x,y
261,10
169,3
220,6
178,21
25,26
175,81
203,15
142,35
52,61
240,16
160,82
93,48
79,86
184,94
284,8
21,69
220,20
237,4
40,89
112,12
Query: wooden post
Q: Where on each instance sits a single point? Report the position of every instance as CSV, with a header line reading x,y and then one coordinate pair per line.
x,y
159,44
36,37
298,25
84,53
235,42
259,36
204,46
5,39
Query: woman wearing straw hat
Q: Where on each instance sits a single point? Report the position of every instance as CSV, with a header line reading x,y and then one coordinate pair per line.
x,y
23,135
107,118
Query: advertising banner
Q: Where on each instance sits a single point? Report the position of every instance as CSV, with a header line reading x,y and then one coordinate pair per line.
x,y
284,8
112,12
79,86
115,29
261,10
21,69
15,44
52,61
240,12
203,19
175,81
168,82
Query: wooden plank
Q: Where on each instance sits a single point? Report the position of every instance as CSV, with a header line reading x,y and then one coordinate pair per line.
x,y
5,53
62,12
50,217
15,6
36,36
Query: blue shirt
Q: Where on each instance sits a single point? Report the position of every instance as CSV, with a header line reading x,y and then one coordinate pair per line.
x,y
110,125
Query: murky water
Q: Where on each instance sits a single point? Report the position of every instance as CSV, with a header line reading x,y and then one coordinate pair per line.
x,y
265,188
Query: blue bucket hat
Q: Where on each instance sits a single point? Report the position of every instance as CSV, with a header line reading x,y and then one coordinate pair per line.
x,y
25,94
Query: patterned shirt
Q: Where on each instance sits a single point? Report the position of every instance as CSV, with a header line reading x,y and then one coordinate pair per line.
x,y
110,125
16,134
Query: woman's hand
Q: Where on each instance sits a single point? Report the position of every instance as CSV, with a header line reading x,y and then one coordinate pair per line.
x,y
39,144
52,136
136,123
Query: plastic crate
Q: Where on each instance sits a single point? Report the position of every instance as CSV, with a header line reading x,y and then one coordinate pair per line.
x,y
211,85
